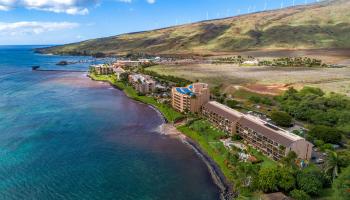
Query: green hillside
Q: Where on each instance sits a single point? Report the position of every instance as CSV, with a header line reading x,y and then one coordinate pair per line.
x,y
316,26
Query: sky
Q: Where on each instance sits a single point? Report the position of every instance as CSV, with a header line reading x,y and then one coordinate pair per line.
x,y
26,22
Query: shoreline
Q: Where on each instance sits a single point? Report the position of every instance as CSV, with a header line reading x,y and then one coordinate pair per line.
x,y
225,187
168,129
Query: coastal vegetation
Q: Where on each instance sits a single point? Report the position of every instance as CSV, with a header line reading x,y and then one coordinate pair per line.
x,y
313,106
341,186
281,118
328,128
264,175
237,172
169,113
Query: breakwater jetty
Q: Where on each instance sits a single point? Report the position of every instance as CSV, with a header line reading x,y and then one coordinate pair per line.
x,y
37,68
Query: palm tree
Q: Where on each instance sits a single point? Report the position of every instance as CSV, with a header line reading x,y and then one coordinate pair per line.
x,y
332,164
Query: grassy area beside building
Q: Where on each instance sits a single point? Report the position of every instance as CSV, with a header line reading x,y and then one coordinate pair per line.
x,y
238,172
169,113
208,139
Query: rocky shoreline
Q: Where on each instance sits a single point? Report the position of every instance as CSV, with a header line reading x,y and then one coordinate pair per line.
x,y
218,177
226,188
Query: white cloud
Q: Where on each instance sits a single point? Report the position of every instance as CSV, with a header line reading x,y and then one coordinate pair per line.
x,y
72,7
151,1
130,1
33,27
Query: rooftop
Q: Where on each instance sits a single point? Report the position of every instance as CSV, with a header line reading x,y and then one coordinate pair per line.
x,y
142,78
269,130
192,89
223,110
186,91
274,128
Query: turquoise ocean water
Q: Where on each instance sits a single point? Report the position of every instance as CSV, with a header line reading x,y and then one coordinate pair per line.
x,y
63,136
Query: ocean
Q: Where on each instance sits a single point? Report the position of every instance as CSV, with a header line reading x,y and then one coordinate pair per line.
x,y
63,136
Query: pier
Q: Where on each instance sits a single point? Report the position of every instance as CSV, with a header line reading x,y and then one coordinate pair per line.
x,y
37,68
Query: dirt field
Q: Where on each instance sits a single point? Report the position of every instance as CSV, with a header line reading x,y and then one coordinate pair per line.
x,y
330,56
265,80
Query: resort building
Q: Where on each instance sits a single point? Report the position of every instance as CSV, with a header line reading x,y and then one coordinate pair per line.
x,y
264,136
131,63
118,71
190,98
142,83
102,69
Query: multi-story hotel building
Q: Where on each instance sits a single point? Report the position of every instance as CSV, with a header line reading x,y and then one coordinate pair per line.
x,y
266,137
190,98
102,69
142,83
118,71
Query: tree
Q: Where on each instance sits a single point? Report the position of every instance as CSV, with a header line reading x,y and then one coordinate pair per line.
x,y
245,173
255,99
310,181
232,103
289,160
124,76
281,118
341,186
326,133
287,180
299,195
268,179
332,164
312,90
344,158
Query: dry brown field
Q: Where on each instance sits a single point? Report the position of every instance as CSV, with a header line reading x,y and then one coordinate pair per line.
x,y
260,79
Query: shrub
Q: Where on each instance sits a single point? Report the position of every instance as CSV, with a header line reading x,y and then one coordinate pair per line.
x,y
319,143
268,179
232,103
287,180
281,118
255,99
236,137
310,181
299,195
326,134
341,186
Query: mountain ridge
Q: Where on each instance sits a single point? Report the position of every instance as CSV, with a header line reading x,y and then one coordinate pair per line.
x,y
315,26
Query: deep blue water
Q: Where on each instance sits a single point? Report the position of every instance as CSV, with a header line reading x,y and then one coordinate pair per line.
x,y
63,136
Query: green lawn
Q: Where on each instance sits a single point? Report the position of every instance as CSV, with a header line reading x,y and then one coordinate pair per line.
x,y
267,162
169,113
213,147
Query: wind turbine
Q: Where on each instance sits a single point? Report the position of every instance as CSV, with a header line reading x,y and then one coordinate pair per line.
x,y
265,6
